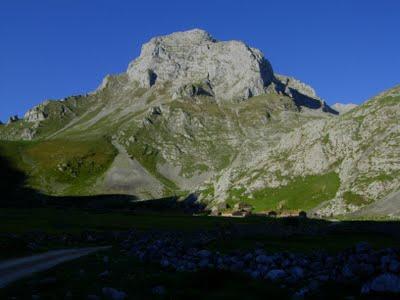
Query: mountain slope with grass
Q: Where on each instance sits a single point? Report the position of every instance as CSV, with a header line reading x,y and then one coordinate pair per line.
x,y
193,115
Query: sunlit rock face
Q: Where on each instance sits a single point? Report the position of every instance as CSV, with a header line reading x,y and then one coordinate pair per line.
x,y
229,70
343,107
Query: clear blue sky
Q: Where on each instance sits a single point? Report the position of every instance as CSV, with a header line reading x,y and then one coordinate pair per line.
x,y
347,50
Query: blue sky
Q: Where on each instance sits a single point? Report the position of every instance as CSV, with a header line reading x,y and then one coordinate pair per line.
x,y
347,50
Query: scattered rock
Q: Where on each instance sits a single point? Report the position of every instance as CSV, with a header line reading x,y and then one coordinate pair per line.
x,y
104,274
394,266
159,290
204,263
275,275
204,253
384,283
263,259
113,294
165,263
297,272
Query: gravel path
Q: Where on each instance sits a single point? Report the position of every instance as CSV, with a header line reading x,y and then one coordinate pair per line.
x,y
14,269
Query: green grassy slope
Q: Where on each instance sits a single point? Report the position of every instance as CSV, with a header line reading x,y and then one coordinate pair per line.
x,y
301,193
68,167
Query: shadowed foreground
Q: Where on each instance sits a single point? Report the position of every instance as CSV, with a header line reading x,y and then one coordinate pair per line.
x,y
159,250
15,269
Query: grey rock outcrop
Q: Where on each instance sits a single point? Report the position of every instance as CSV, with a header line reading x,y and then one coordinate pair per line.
x,y
12,119
35,114
343,108
303,95
294,84
113,294
384,283
228,70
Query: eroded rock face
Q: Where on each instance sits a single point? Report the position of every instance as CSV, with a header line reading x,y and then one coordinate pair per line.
x,y
35,114
195,62
293,83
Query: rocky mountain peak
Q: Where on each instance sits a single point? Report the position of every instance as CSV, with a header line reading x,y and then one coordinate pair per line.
x,y
197,36
194,60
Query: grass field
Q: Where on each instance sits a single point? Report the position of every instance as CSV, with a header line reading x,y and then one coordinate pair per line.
x,y
69,167
302,193
355,199
74,220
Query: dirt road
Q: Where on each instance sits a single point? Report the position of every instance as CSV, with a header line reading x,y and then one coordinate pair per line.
x,y
14,269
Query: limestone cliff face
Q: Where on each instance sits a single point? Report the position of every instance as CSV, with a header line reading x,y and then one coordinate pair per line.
x,y
228,70
293,83
36,114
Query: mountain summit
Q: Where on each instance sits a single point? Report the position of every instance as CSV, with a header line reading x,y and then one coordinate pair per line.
x,y
193,63
226,70
196,116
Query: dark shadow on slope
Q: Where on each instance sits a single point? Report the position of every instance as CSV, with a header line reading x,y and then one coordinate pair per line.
x,y
302,100
16,194
12,180
171,204
305,101
188,205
